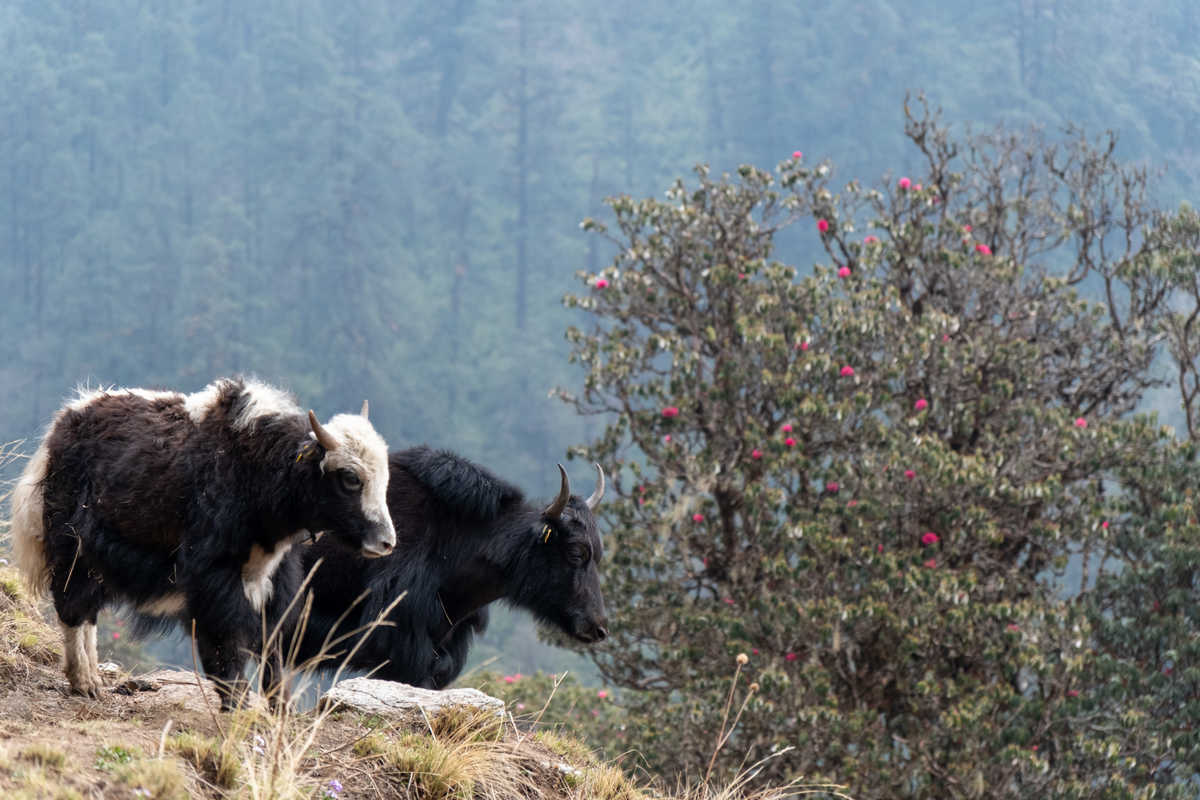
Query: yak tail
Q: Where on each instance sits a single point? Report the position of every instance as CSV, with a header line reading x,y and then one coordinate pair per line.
x,y
28,523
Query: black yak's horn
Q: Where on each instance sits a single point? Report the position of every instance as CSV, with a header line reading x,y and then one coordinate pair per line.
x,y
325,438
560,502
597,495
363,413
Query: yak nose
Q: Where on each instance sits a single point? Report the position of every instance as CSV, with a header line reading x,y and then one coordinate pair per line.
x,y
601,633
380,545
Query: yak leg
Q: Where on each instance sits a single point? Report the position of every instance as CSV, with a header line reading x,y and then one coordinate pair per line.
x,y
225,623
78,597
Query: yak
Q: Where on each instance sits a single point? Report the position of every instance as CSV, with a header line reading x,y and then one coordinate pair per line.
x,y
186,507
466,538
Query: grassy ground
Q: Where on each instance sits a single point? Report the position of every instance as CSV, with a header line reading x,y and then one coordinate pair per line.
x,y
174,744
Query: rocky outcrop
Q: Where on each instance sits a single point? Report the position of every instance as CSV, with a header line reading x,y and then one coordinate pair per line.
x,y
401,701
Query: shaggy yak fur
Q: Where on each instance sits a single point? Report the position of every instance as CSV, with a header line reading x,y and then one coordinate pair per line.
x,y
465,539
185,507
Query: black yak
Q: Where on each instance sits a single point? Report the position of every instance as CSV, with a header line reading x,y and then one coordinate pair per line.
x,y
465,539
186,507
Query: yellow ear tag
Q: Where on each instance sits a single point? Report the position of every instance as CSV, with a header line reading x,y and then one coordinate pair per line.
x,y
305,452
546,529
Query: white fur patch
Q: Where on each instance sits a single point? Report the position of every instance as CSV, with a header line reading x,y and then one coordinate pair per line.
x,y
169,605
258,571
363,450
198,404
263,400
84,397
27,524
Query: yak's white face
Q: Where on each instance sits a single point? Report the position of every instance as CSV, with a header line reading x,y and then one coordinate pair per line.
x,y
362,451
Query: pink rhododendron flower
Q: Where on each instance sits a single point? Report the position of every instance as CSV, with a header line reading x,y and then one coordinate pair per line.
x,y
921,404
904,183
670,411
520,706
697,517
754,651
518,676
852,504
790,442
1034,748
870,240
786,427
602,694
727,601
804,346
756,454
878,548
844,272
945,337
796,154
966,228
667,439
508,679
908,473
931,563
919,187
1072,693
1013,627
116,635
1080,422
791,656
742,275
1104,525
983,248
601,283
847,371
929,537
832,486
822,225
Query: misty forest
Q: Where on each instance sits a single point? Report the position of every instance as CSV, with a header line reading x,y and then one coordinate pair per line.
x,y
883,319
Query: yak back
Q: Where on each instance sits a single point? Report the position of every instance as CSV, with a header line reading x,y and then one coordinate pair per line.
x,y
456,486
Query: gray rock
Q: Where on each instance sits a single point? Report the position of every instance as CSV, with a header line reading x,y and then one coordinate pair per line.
x,y
399,700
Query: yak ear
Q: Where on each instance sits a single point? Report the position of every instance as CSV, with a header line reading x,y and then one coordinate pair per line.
x,y
309,450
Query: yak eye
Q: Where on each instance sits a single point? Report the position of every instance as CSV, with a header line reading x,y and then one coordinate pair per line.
x,y
578,554
350,481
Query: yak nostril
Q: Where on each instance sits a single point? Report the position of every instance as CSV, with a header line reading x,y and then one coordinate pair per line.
x,y
601,633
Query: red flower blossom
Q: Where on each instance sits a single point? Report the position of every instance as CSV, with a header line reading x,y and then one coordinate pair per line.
x,y
756,454
670,411
667,439
697,517
727,601
601,283
931,563
790,442
1080,422
804,345
878,548
904,183
1072,693
847,371
791,657
844,272
1013,627
921,404
822,225
852,504
796,154
966,228
602,694
116,635
1104,525
832,487
508,679
909,474
786,427
929,537
983,249
870,240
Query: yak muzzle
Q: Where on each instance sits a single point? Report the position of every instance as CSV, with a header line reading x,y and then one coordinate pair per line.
x,y
380,543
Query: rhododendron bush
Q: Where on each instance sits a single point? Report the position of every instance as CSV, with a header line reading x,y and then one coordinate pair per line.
x,y
892,489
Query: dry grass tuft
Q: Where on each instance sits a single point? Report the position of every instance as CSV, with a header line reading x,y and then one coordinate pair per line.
x,y
215,761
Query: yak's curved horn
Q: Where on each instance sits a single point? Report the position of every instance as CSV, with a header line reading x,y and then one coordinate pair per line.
x,y
554,509
363,413
597,495
324,437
